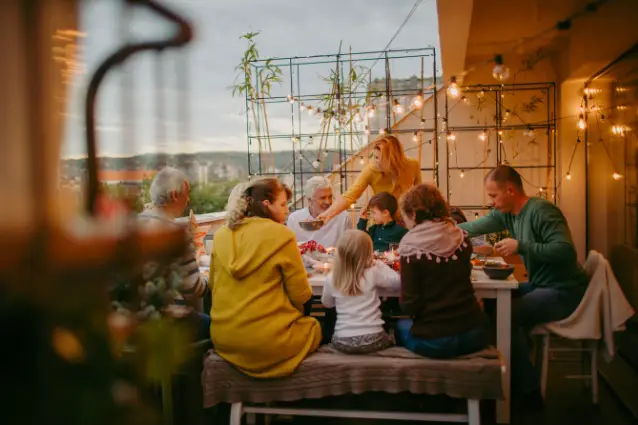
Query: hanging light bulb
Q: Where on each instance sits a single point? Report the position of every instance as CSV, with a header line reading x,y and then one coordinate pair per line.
x,y
310,140
357,116
451,136
529,132
366,130
291,99
481,94
500,72
581,122
462,174
398,108
315,164
422,122
310,111
465,100
371,111
482,136
418,101
382,131
616,176
415,137
568,176
361,161
506,115
453,89
476,215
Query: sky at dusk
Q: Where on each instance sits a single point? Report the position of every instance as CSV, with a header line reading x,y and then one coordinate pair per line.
x,y
216,120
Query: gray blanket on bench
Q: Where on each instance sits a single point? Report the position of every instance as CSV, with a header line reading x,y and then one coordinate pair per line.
x,y
331,373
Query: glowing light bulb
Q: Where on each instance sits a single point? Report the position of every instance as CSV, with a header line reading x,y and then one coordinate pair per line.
x,y
371,111
361,161
476,215
451,136
480,94
500,72
310,140
581,122
291,99
357,116
417,101
415,137
315,164
506,115
462,174
453,89
500,132
367,130
310,111
465,100
482,136
382,131
616,176
422,122
352,206
568,176
398,108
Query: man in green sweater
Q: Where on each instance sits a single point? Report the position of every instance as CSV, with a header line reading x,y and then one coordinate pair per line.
x,y
557,282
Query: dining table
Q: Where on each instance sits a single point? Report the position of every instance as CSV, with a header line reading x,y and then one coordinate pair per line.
x,y
484,288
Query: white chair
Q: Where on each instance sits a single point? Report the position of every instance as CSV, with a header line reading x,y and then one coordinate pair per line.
x,y
602,311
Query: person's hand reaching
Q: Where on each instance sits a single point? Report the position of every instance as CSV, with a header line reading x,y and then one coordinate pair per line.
x,y
325,216
507,247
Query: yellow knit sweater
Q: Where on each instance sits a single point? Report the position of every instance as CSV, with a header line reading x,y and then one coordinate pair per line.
x,y
259,286
373,177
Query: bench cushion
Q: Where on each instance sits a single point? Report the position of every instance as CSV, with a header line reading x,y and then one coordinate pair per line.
x,y
328,372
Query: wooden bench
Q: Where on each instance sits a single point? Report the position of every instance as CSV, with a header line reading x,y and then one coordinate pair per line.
x,y
331,373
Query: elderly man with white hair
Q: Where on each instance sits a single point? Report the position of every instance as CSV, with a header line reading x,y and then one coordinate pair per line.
x,y
318,191
169,193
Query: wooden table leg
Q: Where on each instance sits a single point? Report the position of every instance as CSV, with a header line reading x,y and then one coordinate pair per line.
x,y
503,344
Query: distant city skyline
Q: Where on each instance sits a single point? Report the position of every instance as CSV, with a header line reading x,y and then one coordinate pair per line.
x,y
217,121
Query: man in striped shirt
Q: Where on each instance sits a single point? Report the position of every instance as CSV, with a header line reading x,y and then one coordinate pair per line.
x,y
169,194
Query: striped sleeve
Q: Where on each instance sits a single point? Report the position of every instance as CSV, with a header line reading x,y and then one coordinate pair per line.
x,y
193,284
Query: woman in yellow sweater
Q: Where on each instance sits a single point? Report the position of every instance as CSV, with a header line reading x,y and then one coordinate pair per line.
x,y
391,172
259,285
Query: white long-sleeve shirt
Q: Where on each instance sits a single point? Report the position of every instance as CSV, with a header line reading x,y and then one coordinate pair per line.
x,y
327,235
361,314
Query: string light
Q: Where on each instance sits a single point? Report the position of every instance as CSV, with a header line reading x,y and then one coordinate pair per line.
x,y
382,131
581,122
367,130
291,99
415,137
500,72
453,89
568,176
506,115
295,139
480,94
315,164
616,176
476,215
310,140
465,100
371,111
398,108
482,136
361,161
422,122
529,132
357,116
451,136
618,130
310,111
462,174
418,101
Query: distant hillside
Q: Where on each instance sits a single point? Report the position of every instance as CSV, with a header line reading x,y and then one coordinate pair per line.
x,y
214,165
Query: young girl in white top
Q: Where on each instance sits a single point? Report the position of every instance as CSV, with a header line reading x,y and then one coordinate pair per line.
x,y
352,288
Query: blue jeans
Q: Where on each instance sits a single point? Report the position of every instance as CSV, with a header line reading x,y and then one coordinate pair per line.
x,y
441,348
532,306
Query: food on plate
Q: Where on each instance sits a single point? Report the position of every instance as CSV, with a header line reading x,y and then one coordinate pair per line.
x,y
476,262
311,225
496,265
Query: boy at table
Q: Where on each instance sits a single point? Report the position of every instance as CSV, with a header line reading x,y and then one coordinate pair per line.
x,y
385,231
557,282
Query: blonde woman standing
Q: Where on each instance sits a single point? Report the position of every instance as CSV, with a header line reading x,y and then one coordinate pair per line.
x,y
259,285
352,288
390,172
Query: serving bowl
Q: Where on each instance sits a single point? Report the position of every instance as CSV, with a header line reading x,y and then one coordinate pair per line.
x,y
311,225
498,272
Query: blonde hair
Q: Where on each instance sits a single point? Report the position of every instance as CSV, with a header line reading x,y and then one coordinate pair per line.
x,y
353,258
246,199
392,156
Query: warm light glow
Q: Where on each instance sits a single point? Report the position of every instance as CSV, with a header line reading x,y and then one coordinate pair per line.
x,y
361,161
315,164
451,136
415,137
581,122
462,174
371,111
398,108
310,111
465,100
291,99
506,115
453,89
500,132
382,131
618,130
417,101
367,130
568,176
480,94
422,122
482,136
357,116
616,176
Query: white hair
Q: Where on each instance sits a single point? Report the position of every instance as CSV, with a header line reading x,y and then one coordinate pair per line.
x,y
165,182
315,183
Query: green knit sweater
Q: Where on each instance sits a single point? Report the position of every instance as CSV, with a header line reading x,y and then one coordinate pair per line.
x,y
544,242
